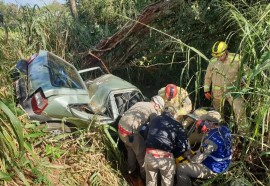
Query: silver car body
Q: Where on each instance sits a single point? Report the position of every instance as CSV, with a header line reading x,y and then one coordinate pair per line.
x,y
70,95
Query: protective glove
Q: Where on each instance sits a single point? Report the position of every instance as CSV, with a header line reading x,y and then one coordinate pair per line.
x,y
208,95
185,158
181,159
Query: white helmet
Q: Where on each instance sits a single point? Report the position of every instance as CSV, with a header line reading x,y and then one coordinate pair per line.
x,y
212,115
158,100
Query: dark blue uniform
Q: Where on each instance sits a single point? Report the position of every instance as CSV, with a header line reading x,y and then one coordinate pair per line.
x,y
167,134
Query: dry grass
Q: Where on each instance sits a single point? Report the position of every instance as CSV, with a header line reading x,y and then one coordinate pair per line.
x,y
82,162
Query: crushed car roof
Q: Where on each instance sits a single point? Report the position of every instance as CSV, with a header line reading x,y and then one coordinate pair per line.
x,y
101,88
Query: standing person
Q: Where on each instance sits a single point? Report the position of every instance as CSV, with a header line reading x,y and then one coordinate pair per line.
x,y
128,127
214,155
222,74
178,98
166,139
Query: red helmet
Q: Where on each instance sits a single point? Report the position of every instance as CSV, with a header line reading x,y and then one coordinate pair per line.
x,y
202,126
170,91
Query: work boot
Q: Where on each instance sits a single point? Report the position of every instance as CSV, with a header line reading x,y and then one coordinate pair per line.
x,y
134,179
239,147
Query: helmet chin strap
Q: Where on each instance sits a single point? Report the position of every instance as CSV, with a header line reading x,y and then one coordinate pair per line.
x,y
157,107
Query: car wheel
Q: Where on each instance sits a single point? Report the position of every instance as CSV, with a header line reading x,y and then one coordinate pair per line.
x,y
55,128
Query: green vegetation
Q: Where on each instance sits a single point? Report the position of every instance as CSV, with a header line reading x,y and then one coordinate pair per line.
x,y
174,47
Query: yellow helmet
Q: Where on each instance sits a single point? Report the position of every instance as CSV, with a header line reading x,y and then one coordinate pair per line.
x,y
219,48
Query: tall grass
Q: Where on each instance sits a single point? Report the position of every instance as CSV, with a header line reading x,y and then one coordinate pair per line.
x,y
28,156
37,29
254,28
81,159
253,23
12,151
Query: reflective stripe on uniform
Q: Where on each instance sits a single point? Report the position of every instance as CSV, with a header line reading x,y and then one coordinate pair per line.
x,y
158,153
181,112
123,131
217,87
220,159
234,57
206,88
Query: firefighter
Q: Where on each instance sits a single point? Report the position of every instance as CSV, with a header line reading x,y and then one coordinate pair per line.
x,y
166,139
128,130
214,155
178,98
221,75
194,137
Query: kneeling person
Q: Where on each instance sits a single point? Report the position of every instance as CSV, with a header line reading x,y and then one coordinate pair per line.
x,y
194,137
214,155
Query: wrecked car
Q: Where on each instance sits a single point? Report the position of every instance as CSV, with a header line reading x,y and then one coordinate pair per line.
x,y
53,92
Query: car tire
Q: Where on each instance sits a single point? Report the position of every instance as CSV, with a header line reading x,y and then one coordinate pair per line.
x,y
55,128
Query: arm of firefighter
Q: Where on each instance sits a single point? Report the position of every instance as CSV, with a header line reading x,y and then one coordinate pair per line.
x,y
208,78
185,157
204,151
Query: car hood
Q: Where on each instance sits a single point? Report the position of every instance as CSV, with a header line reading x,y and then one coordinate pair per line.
x,y
100,89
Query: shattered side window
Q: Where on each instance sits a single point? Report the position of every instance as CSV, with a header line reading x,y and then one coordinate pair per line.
x,y
62,74
38,75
